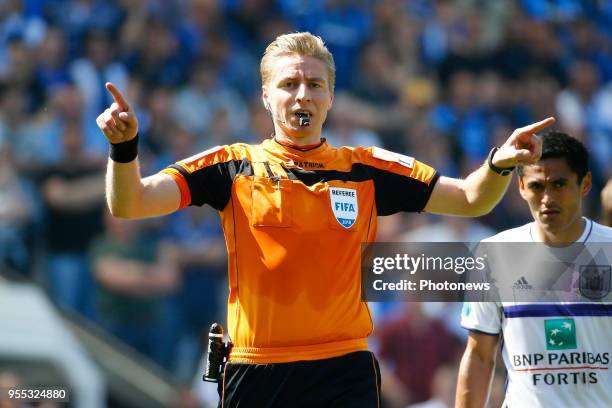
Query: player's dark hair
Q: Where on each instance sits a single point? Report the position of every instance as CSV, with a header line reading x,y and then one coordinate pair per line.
x,y
560,145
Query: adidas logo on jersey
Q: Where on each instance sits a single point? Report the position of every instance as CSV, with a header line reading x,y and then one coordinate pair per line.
x,y
522,284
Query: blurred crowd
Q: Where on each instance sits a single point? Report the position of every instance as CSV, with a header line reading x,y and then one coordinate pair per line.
x,y
439,80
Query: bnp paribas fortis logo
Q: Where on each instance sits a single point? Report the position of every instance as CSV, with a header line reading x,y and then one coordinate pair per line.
x,y
560,334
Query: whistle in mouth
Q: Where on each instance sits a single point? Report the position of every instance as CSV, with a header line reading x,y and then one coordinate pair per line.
x,y
304,118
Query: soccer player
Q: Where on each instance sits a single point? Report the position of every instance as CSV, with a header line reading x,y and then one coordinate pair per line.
x,y
556,354
294,212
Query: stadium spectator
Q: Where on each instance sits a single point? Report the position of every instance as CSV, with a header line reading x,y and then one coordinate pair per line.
x,y
442,389
159,121
52,60
74,203
135,277
18,211
31,143
574,102
553,189
260,127
463,119
415,339
99,65
274,202
343,131
454,230
155,53
196,105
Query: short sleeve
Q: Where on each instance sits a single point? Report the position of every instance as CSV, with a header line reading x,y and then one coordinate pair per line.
x,y
206,178
484,317
402,183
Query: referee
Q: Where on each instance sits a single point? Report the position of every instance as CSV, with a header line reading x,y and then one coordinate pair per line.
x,y
294,212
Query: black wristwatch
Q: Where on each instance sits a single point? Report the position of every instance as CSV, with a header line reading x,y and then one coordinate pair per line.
x,y
502,172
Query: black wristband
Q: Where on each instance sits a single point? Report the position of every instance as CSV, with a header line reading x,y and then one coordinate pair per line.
x,y
124,152
501,171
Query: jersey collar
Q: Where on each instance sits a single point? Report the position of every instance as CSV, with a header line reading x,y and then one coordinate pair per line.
x,y
291,149
584,237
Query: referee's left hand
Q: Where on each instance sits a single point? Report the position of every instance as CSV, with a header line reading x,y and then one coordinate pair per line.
x,y
523,146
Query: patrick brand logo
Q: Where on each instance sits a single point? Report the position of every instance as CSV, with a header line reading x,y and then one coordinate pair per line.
x,y
344,205
560,334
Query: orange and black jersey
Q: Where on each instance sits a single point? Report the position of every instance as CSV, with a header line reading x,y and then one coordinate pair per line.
x,y
294,222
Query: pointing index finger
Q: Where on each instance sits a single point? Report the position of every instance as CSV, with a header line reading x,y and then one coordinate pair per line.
x,y
536,127
123,104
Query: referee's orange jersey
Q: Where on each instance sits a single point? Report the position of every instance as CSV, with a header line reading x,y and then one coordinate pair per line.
x,y
294,221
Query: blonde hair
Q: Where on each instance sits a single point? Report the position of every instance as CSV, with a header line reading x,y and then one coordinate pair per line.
x,y
302,44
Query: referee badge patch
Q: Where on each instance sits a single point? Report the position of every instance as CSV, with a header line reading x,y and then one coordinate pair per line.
x,y
344,205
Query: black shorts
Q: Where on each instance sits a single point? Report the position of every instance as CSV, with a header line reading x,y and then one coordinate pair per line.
x,y
349,381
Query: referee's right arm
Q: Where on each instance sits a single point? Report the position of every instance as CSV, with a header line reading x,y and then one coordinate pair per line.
x,y
128,195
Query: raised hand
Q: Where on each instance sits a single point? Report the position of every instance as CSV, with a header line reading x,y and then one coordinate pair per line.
x,y
118,122
523,146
